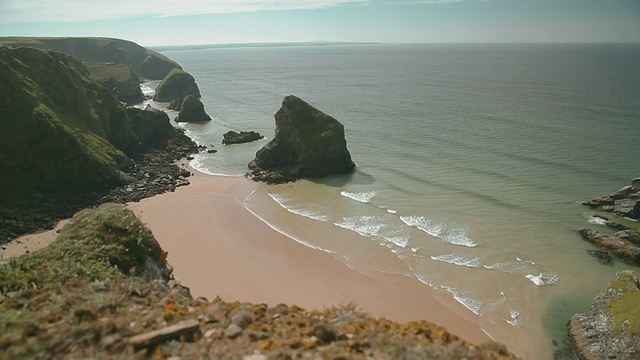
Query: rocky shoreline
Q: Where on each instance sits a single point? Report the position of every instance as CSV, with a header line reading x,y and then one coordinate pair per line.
x,y
155,172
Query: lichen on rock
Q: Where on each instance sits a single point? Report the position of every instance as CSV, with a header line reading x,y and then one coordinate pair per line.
x,y
610,329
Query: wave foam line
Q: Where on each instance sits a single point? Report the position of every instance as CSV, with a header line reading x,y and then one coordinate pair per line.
x,y
363,197
300,241
472,304
460,260
281,200
449,233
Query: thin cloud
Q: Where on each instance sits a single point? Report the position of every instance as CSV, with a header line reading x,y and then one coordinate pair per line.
x,y
20,11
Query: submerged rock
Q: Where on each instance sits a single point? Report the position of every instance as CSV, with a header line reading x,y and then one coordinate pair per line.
x,y
610,329
624,245
176,85
232,137
625,202
307,144
192,110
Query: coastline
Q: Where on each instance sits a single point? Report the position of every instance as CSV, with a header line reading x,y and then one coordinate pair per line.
x,y
218,248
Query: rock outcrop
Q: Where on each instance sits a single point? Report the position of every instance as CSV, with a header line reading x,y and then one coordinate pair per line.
x,y
307,144
192,110
176,85
624,244
119,79
610,329
144,62
232,137
625,202
152,127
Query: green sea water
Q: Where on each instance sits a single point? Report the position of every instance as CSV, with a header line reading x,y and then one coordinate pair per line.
x,y
471,163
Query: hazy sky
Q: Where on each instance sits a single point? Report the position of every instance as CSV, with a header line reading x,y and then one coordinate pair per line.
x,y
165,22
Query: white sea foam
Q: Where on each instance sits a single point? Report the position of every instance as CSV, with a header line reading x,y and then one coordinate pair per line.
x,y
543,278
390,211
472,304
364,225
450,233
377,228
459,259
595,220
197,164
515,318
306,212
363,197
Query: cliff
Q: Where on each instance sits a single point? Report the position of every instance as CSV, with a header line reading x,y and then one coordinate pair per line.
x,y
307,143
103,290
144,62
60,129
67,142
123,83
610,329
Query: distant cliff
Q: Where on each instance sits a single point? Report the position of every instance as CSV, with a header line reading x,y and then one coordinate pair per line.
x,y
144,62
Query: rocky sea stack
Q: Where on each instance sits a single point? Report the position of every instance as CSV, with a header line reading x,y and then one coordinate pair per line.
x,y
307,144
192,110
232,137
175,86
610,329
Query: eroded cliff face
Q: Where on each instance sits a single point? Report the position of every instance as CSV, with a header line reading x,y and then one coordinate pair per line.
x,y
307,143
123,83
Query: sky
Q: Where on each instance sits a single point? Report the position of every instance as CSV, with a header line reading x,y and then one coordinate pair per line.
x,y
189,22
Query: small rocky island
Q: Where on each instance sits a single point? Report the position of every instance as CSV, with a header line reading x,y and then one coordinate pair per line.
x,y
625,202
192,110
233,137
307,144
176,86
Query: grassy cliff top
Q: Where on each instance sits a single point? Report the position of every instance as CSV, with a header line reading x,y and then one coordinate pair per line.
x,y
101,291
102,72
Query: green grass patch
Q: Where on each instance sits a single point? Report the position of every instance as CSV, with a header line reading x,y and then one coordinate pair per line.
x,y
103,72
625,304
96,245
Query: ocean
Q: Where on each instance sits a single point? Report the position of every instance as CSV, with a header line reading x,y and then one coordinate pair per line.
x,y
471,163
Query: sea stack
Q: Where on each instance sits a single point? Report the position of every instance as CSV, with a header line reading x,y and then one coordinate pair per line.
x,y
176,85
307,144
192,110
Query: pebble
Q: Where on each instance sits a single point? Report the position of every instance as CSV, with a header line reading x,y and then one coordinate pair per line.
x,y
233,330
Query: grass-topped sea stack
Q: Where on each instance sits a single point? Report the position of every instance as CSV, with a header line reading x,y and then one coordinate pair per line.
x,y
307,144
175,86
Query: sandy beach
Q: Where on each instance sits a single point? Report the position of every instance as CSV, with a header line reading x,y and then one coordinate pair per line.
x,y
218,248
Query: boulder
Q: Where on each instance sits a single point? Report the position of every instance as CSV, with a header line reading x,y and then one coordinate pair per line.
x,y
624,245
152,127
625,202
192,110
610,328
176,85
307,144
232,137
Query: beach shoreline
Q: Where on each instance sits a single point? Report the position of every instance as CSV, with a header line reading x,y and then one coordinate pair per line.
x,y
219,248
